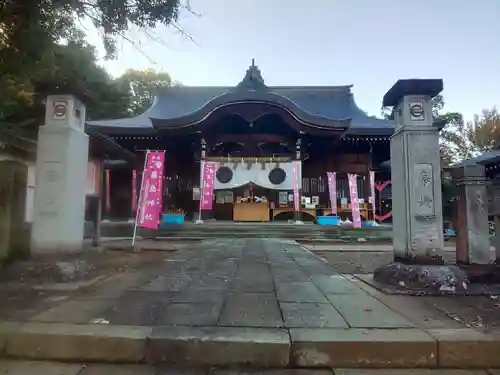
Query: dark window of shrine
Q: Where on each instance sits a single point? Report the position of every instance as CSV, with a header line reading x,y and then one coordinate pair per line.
x,y
386,193
305,185
314,185
361,187
321,185
343,187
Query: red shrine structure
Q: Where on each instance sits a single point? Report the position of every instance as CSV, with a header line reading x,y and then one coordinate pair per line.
x,y
251,127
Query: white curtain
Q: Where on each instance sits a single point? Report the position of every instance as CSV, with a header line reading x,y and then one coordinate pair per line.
x,y
243,174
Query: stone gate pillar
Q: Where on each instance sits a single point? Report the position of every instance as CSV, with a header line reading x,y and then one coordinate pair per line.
x,y
494,210
471,215
416,172
61,176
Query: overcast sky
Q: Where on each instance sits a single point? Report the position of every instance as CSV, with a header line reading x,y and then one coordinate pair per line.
x,y
367,43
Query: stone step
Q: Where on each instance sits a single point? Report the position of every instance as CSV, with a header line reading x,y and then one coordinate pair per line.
x,y
255,347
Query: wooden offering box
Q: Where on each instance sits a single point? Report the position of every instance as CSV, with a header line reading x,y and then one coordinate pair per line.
x,y
251,212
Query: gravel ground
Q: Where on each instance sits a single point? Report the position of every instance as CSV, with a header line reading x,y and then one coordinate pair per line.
x,y
352,261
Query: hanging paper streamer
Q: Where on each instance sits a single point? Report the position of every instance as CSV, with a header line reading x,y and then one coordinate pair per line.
x,y
353,192
372,191
108,192
296,195
134,191
150,202
332,190
207,185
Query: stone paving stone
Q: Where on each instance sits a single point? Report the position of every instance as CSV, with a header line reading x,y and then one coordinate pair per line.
x,y
172,283
419,311
270,372
211,283
249,270
283,275
7,329
372,348
407,372
320,269
251,310
169,370
467,348
311,315
199,295
108,369
76,311
39,368
336,284
301,292
364,311
255,285
190,314
220,346
115,287
137,308
79,343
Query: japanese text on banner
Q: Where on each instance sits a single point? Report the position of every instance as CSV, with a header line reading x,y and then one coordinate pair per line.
x,y
134,191
353,192
296,197
150,204
372,191
332,190
207,185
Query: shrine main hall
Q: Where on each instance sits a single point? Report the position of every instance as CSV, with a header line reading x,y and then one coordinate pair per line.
x,y
254,132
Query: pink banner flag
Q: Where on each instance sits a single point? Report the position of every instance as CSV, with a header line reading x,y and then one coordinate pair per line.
x,y
332,190
108,191
296,195
207,185
372,191
353,192
150,202
134,191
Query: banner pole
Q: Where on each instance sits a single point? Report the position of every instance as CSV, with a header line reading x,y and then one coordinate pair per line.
x,y
140,197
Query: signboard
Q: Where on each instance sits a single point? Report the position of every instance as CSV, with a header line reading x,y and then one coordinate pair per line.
x,y
332,190
207,185
296,195
150,202
93,178
353,192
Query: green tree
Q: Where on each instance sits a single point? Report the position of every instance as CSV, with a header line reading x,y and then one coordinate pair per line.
x,y
446,120
30,28
465,139
142,86
65,68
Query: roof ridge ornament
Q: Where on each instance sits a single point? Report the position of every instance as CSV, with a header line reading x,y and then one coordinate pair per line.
x,y
253,79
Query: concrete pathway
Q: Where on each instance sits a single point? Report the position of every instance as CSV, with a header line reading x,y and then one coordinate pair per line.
x,y
268,303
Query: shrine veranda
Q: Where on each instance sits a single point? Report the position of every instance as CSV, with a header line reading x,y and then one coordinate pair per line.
x,y
254,132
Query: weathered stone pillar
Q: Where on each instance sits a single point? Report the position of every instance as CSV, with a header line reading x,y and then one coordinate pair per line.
x,y
495,212
415,169
61,177
471,211
13,228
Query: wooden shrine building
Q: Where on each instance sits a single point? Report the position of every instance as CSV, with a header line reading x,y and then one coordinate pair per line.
x,y
250,125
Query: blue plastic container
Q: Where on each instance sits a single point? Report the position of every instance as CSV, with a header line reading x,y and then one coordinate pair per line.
x,y
327,220
173,219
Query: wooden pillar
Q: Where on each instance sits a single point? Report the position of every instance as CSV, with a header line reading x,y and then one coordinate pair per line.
x,y
100,199
14,237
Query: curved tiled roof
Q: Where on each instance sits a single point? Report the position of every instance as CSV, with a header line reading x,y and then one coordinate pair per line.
x,y
317,105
